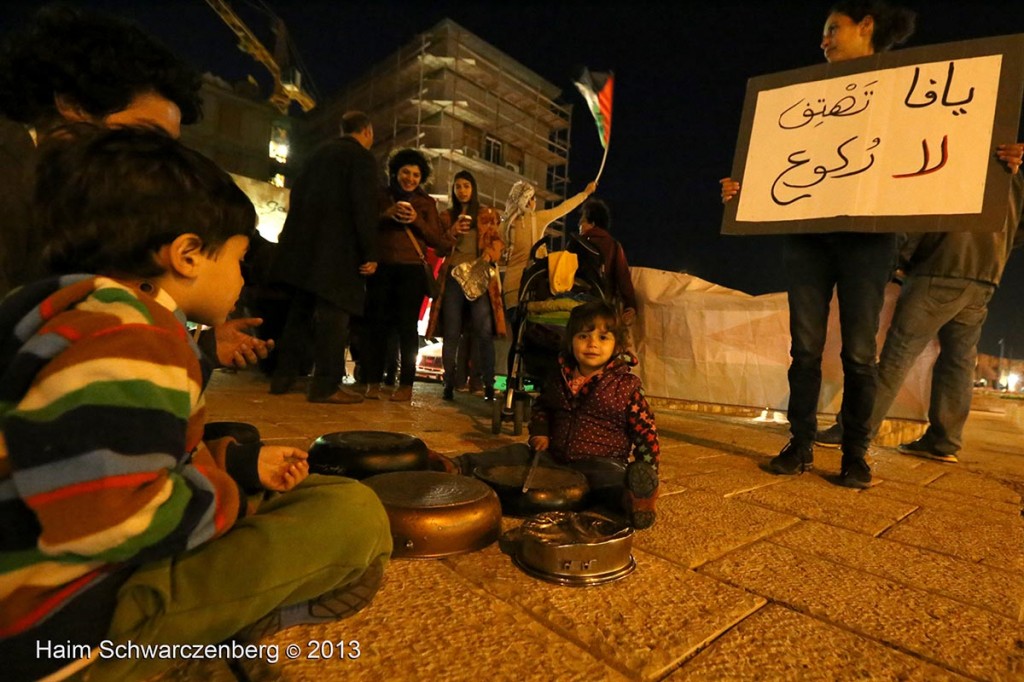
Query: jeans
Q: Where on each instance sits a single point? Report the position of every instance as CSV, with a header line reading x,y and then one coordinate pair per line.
x,y
857,265
955,310
453,306
312,317
394,294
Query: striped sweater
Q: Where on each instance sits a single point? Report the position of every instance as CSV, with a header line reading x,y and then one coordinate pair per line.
x,y
102,463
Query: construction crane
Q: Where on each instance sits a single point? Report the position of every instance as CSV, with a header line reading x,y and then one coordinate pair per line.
x,y
286,90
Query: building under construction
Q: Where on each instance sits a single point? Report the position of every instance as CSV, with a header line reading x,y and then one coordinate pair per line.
x,y
467,105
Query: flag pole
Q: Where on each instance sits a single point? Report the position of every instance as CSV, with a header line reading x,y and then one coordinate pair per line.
x,y
603,159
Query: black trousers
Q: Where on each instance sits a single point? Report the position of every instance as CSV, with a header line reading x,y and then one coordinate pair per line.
x,y
314,324
394,296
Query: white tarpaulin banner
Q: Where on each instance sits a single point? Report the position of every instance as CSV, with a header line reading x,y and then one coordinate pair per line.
x,y
707,343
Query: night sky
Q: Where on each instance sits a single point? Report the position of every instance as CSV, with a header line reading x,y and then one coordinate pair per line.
x,y
680,79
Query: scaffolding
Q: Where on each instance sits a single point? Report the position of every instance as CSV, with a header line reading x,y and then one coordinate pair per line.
x,y
467,106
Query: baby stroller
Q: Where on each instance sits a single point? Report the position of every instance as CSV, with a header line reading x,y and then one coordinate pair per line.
x,y
538,327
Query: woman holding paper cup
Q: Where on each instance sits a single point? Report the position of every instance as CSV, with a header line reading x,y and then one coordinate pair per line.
x,y
408,224
468,283
858,264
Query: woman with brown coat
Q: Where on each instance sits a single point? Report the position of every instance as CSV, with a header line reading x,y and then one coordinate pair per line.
x,y
408,224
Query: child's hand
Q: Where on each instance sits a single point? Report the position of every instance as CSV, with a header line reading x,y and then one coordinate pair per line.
x,y
282,468
539,443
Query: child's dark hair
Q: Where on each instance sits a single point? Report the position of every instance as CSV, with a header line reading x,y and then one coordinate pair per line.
x,y
107,200
584,318
97,60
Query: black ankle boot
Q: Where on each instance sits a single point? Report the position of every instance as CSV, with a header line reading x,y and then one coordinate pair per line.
x,y
795,458
854,472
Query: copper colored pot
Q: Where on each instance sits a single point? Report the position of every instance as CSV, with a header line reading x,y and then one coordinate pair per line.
x,y
435,515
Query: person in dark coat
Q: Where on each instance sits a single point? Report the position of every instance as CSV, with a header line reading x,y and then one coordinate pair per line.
x,y
326,250
595,226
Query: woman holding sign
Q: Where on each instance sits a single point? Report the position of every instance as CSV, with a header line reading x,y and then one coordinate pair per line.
x,y
857,264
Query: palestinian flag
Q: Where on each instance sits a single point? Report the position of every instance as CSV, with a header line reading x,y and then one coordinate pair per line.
x,y
596,88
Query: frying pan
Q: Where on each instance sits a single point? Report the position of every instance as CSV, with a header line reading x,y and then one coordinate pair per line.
x,y
359,454
551,488
435,515
240,431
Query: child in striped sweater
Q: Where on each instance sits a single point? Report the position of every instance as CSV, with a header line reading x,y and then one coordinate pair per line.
x,y
117,521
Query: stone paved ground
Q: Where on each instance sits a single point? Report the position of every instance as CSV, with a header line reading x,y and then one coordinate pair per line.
x,y
746,575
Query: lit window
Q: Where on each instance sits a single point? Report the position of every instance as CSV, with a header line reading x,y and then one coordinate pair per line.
x,y
279,144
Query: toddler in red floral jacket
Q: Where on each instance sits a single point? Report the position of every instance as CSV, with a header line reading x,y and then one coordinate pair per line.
x,y
592,417
595,409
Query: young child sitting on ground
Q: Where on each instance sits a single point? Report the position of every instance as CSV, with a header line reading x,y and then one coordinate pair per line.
x,y
118,523
594,410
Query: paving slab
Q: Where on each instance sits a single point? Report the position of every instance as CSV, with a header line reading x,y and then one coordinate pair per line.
x,y
889,465
935,628
912,579
995,589
699,526
777,643
643,625
429,623
971,537
810,496
931,497
977,485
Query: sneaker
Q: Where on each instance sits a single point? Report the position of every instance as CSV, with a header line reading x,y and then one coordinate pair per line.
x,y
832,437
476,386
641,479
489,393
334,605
921,448
642,489
402,394
854,473
794,459
449,393
373,392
